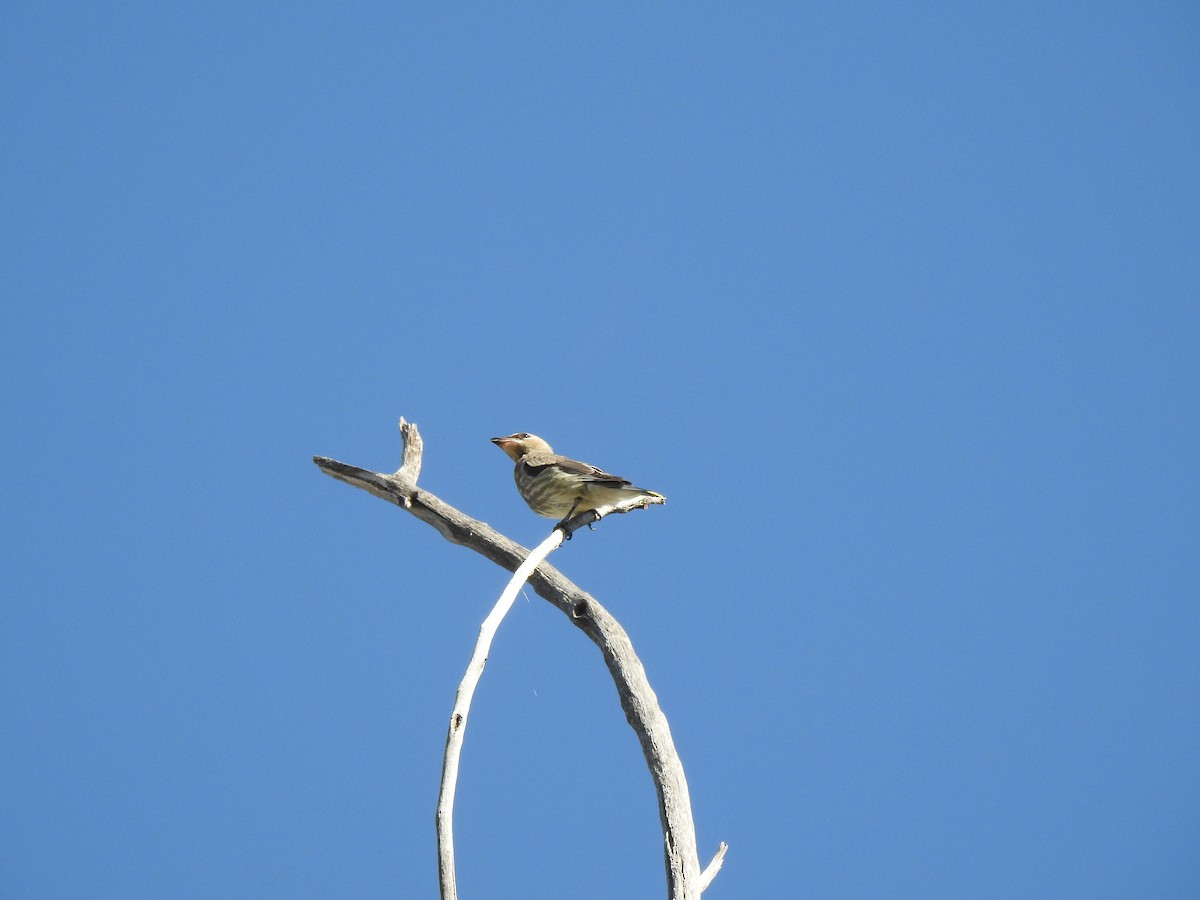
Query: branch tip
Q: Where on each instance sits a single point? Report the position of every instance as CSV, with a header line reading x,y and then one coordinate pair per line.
x,y
411,450
711,870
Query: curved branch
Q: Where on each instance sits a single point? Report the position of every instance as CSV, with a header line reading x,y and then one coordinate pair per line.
x,y
462,708
637,698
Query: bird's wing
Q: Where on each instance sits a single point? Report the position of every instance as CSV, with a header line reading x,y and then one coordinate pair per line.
x,y
575,467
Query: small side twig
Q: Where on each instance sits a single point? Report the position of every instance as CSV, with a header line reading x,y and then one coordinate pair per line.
x,y
711,870
414,448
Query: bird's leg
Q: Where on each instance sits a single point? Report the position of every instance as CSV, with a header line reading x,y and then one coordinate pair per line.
x,y
565,519
573,523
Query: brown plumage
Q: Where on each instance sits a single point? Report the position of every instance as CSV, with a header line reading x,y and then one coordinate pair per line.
x,y
558,487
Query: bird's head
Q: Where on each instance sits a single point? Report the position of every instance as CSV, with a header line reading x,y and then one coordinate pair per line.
x,y
521,443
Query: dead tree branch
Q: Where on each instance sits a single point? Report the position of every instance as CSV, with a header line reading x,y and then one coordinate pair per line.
x,y
684,878
462,708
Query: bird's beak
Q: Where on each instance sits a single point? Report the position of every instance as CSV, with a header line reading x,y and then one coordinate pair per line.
x,y
509,445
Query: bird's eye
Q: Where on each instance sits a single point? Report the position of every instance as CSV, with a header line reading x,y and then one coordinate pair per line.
x,y
523,435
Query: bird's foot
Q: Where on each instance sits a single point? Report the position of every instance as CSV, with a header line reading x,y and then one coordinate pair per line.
x,y
575,521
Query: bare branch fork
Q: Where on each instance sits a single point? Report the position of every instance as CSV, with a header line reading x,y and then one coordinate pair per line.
x,y
685,881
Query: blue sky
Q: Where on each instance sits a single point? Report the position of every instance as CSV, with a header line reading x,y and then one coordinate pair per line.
x,y
897,304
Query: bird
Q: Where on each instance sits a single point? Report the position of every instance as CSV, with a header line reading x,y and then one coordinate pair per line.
x,y
558,487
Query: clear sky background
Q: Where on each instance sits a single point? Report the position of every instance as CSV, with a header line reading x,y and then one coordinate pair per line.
x,y
898,304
